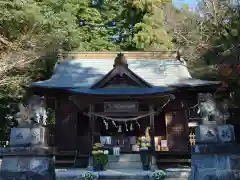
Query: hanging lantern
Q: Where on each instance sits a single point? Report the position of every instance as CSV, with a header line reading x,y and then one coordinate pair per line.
x,y
225,69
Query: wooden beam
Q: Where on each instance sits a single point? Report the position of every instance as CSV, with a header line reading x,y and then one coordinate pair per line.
x,y
151,111
120,70
129,55
132,114
91,98
92,123
174,160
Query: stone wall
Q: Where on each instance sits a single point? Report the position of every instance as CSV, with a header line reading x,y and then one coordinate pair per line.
x,y
216,156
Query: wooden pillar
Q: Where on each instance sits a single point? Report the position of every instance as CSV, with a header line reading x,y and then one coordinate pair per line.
x,y
56,110
91,123
152,133
57,125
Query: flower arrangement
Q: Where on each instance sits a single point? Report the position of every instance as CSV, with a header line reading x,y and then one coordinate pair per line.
x,y
158,175
100,157
89,176
144,142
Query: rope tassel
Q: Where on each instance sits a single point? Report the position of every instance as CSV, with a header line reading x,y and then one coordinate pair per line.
x,y
138,124
131,127
114,123
126,126
120,128
106,124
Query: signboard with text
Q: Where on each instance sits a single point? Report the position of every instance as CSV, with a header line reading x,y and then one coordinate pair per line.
x,y
121,106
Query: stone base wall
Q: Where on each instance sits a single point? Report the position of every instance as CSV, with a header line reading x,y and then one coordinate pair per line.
x,y
216,155
28,156
221,167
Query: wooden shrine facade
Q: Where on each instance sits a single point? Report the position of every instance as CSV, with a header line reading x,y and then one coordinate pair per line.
x,y
121,105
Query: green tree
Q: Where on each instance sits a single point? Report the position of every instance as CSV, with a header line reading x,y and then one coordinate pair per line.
x,y
94,31
29,31
32,32
143,25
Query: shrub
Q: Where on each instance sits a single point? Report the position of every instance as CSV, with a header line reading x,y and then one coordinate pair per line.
x,y
158,175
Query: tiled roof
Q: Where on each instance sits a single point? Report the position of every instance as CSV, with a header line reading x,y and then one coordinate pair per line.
x,y
85,72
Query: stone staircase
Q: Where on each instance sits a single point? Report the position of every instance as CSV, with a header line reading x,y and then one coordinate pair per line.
x,y
124,167
125,161
123,174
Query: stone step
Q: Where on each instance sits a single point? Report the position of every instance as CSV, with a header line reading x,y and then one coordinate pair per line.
x,y
124,174
125,158
180,173
124,177
125,165
128,174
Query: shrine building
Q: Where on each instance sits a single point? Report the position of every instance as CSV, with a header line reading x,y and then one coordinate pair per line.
x,y
113,97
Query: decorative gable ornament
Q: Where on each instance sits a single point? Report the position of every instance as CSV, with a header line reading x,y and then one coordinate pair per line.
x,y
120,60
122,74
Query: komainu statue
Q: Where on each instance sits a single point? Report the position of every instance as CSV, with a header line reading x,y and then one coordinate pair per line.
x,y
209,110
32,113
24,116
37,105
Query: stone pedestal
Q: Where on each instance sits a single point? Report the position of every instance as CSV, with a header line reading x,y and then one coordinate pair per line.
x,y
28,156
29,136
216,155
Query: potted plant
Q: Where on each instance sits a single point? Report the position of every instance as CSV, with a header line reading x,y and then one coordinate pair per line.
x,y
89,176
100,158
144,144
158,175
145,153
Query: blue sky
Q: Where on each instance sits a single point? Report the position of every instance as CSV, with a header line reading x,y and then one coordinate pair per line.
x,y
191,3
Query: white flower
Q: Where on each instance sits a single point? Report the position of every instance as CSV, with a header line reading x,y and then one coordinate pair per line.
x,y
158,175
105,152
89,176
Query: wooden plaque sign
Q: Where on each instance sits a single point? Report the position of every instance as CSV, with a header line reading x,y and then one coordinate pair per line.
x,y
177,131
121,107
